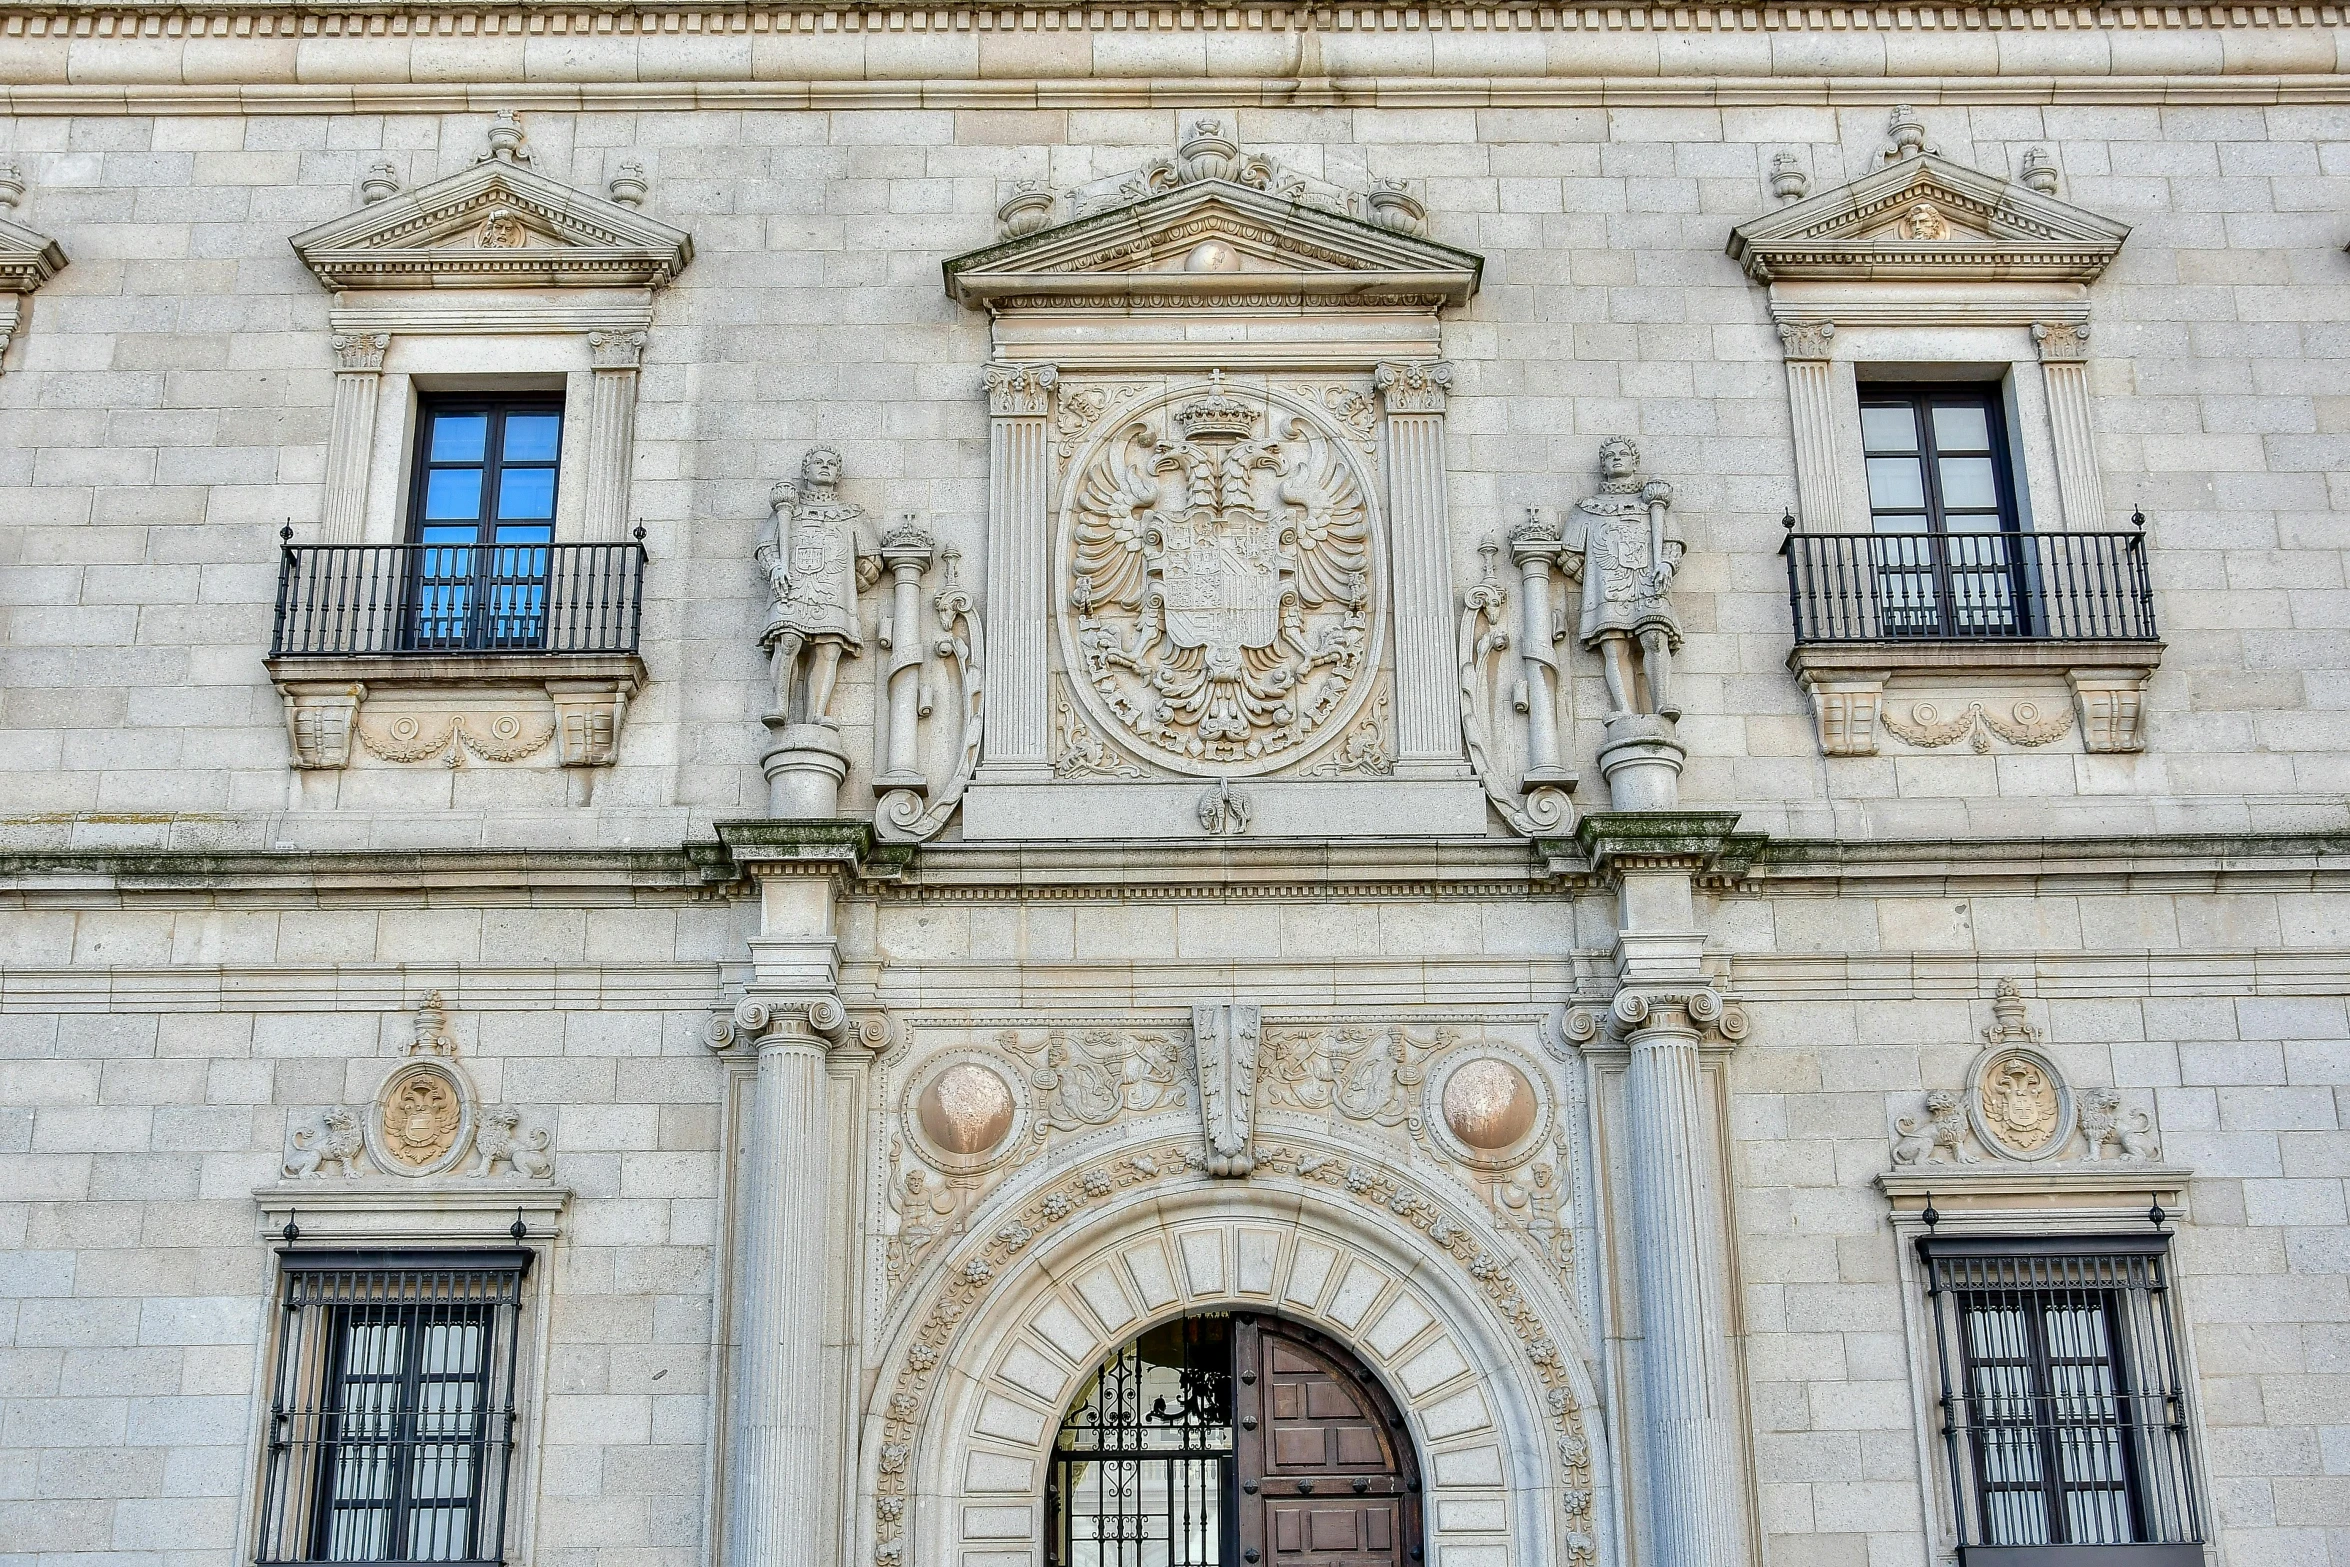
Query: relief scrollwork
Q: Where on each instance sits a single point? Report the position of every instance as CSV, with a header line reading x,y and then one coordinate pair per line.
x,y
1364,1073
1222,606
1518,763
491,737
911,808
2024,724
1089,1077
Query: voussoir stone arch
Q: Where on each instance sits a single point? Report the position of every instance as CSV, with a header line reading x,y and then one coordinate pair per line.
x,y
974,1390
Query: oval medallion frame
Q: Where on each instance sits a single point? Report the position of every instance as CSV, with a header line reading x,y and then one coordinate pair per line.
x,y
378,1133
1281,408
1987,1122
945,1160
1536,1135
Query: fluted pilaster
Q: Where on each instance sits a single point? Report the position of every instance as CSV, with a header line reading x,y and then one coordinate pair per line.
x,y
350,434
1427,714
1019,569
611,434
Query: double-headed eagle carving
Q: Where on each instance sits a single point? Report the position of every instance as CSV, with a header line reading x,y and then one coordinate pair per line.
x,y
1222,579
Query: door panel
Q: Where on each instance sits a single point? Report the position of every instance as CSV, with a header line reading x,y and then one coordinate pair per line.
x,y
1326,1475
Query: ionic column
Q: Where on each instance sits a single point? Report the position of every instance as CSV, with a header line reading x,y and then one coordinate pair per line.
x,y
1019,570
1427,714
1819,491
2064,353
350,434
1694,1513
611,434
1535,546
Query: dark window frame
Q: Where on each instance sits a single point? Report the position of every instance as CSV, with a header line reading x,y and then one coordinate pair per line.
x,y
334,1451
1951,581
488,593
2036,1424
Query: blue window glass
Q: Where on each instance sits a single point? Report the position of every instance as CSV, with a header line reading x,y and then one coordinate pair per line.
x,y
484,518
1941,499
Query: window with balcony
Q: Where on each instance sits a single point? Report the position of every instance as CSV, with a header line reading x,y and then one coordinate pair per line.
x,y
392,1421
2063,1411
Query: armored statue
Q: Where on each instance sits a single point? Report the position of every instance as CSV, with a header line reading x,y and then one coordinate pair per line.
x,y
1630,550
818,552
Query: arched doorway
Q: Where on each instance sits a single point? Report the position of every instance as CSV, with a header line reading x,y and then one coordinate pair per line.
x,y
1232,1440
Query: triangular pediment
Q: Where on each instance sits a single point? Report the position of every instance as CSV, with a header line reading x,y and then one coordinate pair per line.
x,y
1923,217
28,258
1214,227
495,225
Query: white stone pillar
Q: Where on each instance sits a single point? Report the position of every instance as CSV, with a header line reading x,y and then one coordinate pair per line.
x,y
2064,353
1694,1516
1819,489
1419,531
611,435
350,434
1019,572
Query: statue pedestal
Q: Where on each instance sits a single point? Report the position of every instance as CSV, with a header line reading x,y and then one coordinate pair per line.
x,y
1641,758
804,765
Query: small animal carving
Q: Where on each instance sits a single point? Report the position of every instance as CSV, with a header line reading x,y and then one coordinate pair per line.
x,y
334,1141
1943,1126
501,1138
2105,1121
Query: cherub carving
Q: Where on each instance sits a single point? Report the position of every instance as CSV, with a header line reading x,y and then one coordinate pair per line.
x,y
501,1138
334,1141
2104,1120
817,553
1942,1125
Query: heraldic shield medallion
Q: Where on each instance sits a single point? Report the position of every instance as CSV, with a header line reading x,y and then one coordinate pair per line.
x,y
1221,613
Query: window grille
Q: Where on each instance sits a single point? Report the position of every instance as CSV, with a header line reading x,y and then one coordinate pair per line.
x,y
391,1423
1143,1462
2064,1413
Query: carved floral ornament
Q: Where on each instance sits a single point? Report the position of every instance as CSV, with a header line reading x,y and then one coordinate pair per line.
x,y
994,1253
1222,608
426,1120
2016,1106
27,258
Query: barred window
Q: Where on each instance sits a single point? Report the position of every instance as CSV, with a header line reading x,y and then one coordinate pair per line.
x,y
2064,1413
392,1413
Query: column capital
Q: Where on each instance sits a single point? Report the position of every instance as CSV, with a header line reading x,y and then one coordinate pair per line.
x,y
1020,391
814,1022
615,350
1652,1014
2061,342
1413,386
361,351
1808,339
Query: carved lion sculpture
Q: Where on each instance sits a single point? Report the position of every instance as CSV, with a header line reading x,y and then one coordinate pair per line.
x,y
335,1140
501,1138
2104,1120
1943,1125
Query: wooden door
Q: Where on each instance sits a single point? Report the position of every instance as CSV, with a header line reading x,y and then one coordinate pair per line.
x,y
1326,1471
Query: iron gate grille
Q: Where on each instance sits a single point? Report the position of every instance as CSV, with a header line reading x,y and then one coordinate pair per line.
x,y
2064,1415
392,1415
1143,1466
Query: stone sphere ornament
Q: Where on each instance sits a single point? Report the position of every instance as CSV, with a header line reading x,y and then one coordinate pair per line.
x,y
1212,255
966,1109
1489,1105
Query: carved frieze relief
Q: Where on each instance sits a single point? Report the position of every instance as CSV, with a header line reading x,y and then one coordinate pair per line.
x,y
2016,1106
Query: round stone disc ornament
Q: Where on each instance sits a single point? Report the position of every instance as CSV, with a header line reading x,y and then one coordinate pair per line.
x,y
1488,1107
965,1111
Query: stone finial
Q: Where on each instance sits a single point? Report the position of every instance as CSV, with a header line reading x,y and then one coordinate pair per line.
x,y
430,1035
1788,181
380,183
1395,208
2039,170
627,185
1027,209
1207,152
1909,135
11,185
507,143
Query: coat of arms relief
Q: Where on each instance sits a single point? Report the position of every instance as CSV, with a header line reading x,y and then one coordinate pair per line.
x,y
1220,609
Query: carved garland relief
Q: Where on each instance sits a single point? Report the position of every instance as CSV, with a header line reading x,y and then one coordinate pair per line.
x,y
1221,609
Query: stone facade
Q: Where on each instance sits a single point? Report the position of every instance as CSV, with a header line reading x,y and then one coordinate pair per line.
x,y
1226,875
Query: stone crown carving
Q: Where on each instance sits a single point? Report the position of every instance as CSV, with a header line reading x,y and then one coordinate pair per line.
x,y
1221,609
1925,217
498,224
1212,224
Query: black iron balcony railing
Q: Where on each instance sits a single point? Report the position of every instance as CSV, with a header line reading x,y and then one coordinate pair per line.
x,y
2061,587
347,600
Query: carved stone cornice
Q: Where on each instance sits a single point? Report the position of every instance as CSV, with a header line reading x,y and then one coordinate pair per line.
x,y
1700,842
844,849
